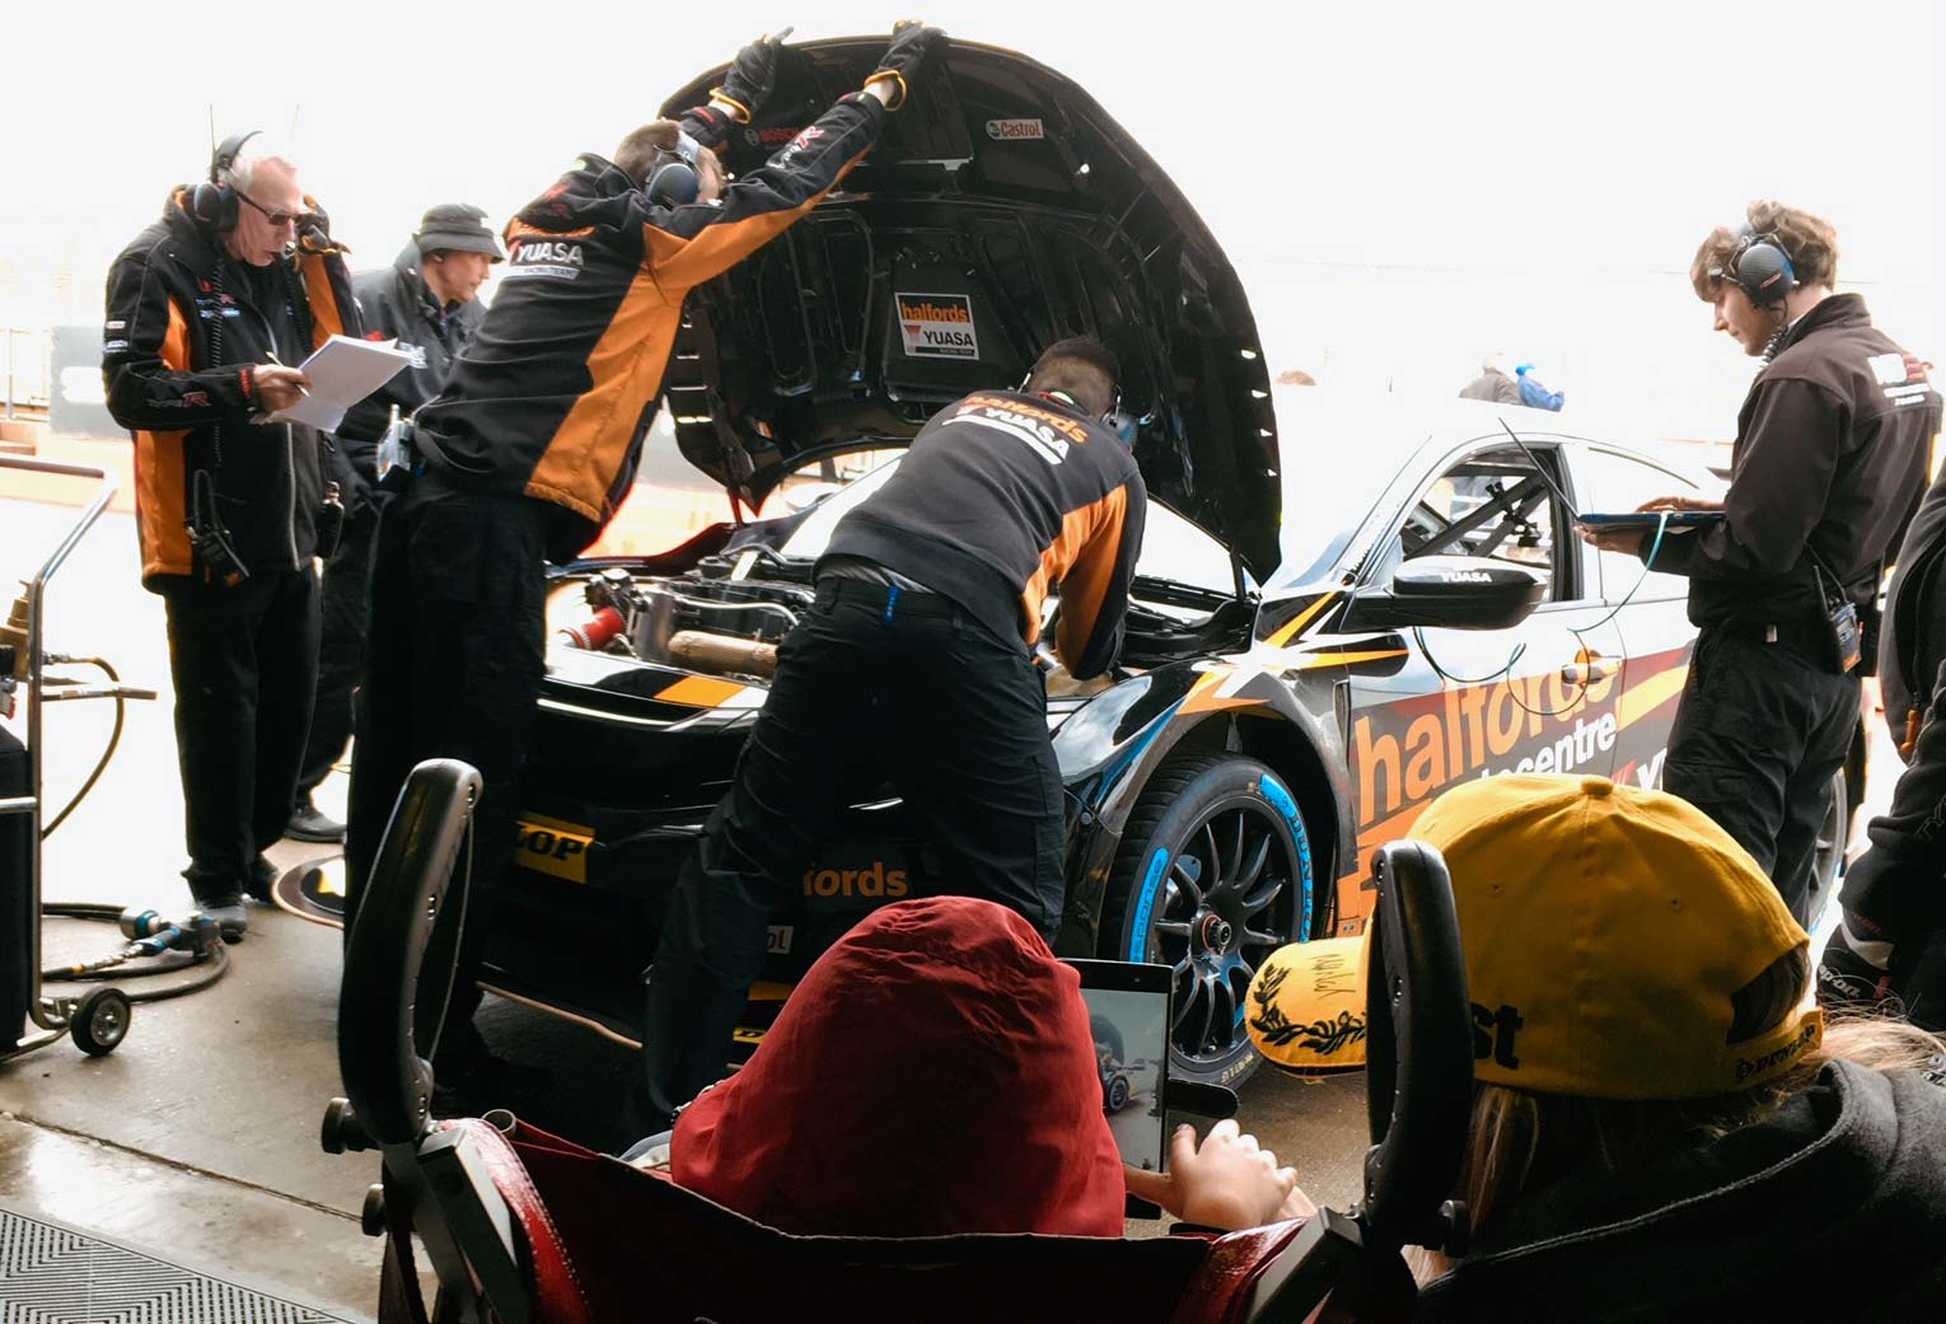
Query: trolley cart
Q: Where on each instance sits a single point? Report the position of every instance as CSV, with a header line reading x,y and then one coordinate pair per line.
x,y
98,1020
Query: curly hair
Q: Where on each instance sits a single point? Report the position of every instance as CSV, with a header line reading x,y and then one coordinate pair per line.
x,y
1810,241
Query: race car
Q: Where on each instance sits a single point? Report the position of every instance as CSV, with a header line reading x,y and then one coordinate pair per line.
x,y
1338,611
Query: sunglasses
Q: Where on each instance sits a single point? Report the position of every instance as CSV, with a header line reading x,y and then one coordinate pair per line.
x,y
277,219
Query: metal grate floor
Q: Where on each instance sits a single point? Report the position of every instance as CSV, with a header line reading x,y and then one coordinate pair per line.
x,y
51,1274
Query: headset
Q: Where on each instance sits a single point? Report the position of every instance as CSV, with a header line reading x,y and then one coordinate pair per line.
x,y
1114,420
1761,267
674,180
214,202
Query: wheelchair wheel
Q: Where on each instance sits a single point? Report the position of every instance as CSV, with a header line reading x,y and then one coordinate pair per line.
x,y
100,1022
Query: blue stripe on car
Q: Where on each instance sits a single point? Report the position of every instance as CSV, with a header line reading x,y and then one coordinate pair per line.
x,y
1273,791
1138,934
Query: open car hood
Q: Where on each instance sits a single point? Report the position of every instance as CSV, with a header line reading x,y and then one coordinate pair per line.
x,y
1002,210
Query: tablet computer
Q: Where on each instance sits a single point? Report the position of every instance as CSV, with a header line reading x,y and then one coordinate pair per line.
x,y
1648,519
1128,1010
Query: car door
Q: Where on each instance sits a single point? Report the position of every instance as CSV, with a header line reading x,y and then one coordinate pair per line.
x,y
1460,703
1657,638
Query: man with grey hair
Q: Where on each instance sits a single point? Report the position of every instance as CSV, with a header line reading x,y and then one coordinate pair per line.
x,y
426,302
207,308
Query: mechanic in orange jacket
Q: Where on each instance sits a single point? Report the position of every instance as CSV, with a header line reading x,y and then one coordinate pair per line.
x,y
529,448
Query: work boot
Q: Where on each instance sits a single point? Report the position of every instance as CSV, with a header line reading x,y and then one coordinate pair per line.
x,y
309,823
263,878
231,917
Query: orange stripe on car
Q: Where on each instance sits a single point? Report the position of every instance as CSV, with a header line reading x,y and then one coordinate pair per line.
x,y
700,692
1289,628
1638,701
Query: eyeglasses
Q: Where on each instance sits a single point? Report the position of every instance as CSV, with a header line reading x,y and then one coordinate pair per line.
x,y
277,219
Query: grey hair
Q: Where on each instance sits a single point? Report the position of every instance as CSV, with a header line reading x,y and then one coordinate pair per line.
x,y
243,175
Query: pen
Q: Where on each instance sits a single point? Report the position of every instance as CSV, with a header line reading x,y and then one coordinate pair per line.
x,y
280,363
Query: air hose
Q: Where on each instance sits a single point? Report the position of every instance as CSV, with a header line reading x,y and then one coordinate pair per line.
x,y
156,948
114,742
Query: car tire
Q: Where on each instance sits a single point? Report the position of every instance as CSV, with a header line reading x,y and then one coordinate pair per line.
x,y
1204,814
1117,1094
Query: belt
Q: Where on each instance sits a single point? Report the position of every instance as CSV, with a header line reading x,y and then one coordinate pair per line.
x,y
1812,643
886,599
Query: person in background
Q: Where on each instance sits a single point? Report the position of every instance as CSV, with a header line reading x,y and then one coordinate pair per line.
x,y
1828,466
426,301
1496,383
1533,394
237,279
1662,1126
1889,949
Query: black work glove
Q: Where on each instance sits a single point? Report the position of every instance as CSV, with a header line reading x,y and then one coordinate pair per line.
x,y
753,75
910,42
314,231
1853,980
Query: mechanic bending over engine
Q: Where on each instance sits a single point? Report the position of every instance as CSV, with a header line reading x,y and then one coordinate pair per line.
x,y
534,440
237,278
1828,467
913,666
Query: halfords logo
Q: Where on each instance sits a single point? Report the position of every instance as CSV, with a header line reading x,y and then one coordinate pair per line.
x,y
876,882
553,847
1017,130
925,310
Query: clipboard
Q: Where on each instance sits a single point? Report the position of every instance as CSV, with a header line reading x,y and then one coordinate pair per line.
x,y
343,371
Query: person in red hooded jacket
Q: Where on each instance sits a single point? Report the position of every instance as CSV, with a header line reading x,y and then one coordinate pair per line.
x,y
934,1074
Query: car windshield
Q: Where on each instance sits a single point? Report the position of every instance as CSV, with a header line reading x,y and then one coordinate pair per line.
x,y
1172,547
1335,469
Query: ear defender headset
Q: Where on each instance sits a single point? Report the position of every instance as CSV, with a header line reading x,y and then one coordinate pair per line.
x,y
214,202
1761,268
1117,422
674,180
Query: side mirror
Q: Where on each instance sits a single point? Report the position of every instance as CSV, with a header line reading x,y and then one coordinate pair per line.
x,y
1456,592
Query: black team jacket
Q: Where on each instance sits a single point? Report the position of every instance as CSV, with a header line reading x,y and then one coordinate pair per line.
x,y
554,394
1900,883
1830,457
185,322
1002,497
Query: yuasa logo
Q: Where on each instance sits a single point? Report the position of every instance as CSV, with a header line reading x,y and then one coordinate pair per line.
x,y
1017,130
540,250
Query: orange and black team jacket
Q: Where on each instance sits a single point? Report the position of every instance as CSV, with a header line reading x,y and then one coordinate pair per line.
x,y
554,394
184,325
1001,498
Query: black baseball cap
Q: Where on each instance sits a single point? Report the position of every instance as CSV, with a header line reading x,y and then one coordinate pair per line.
x,y
456,227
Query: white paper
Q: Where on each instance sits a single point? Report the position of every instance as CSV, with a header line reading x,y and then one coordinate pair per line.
x,y
343,371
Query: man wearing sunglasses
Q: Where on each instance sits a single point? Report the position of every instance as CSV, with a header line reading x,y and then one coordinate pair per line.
x,y
207,310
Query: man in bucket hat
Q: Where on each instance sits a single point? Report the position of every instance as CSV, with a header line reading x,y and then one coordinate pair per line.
x,y
1663,1126
426,302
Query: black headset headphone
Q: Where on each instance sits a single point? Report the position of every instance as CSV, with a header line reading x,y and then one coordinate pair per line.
x,y
214,202
1760,267
673,180
1111,420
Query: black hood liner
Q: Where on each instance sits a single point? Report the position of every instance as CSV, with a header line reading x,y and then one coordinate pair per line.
x,y
1009,202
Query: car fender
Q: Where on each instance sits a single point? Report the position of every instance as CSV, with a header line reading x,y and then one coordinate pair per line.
x,y
1107,756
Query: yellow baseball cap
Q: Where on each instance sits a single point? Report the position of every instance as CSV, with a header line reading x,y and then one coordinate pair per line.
x,y
1610,934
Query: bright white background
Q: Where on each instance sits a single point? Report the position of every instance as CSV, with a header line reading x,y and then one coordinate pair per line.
x,y
1404,188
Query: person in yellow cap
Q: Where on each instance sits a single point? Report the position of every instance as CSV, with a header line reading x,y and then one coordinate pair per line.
x,y
1663,1124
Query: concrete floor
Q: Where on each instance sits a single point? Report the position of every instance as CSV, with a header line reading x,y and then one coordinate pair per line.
x,y
198,1136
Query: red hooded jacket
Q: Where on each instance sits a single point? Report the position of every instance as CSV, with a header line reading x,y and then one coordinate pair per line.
x,y
933,1074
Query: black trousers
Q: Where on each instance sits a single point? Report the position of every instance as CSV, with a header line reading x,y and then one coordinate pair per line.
x,y
245,663
345,620
904,687
455,664
1758,735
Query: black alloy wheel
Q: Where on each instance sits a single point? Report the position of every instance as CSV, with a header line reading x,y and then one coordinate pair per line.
x,y
1213,875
